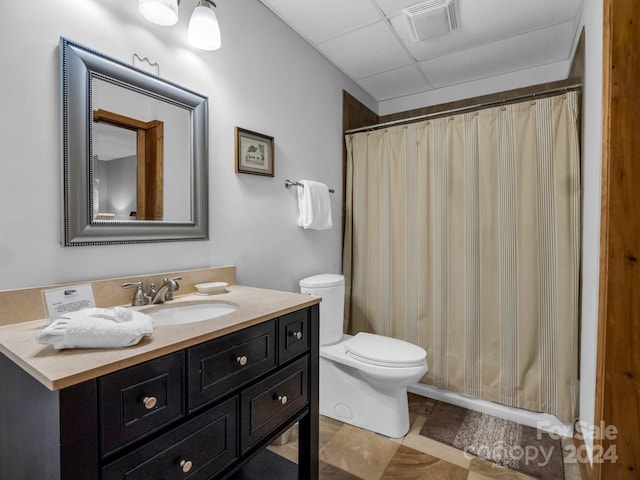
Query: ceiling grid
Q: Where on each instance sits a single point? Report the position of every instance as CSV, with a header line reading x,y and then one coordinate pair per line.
x,y
370,40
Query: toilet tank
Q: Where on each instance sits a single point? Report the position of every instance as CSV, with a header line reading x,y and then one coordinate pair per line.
x,y
330,287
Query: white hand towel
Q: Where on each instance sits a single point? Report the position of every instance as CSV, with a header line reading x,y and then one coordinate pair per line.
x,y
314,205
97,328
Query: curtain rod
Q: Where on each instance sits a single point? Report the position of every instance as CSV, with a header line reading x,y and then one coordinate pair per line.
x,y
478,106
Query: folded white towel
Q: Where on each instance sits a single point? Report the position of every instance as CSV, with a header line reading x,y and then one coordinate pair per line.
x,y
97,328
314,205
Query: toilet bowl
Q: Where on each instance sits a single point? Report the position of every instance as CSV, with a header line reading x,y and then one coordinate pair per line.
x,y
363,378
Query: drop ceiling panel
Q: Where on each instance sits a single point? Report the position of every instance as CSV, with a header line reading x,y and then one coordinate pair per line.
x,y
499,15
320,20
516,15
481,25
544,46
366,51
396,83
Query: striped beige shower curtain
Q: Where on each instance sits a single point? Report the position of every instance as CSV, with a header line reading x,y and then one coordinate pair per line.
x,y
462,236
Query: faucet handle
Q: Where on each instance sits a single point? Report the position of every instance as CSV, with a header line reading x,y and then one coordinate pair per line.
x,y
173,286
139,298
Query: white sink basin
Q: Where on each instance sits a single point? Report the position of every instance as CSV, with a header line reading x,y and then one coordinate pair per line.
x,y
188,312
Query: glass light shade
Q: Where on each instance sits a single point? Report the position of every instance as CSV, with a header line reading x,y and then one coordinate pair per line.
x,y
204,31
160,12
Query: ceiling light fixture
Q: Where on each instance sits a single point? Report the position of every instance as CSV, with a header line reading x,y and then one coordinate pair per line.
x,y
160,12
204,29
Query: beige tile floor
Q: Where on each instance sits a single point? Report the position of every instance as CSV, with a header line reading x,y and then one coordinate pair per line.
x,y
351,453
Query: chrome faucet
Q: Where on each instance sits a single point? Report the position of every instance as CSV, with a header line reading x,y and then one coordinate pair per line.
x,y
139,298
165,292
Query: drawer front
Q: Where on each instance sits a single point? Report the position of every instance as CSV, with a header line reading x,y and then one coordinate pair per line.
x,y
267,404
196,450
223,364
293,331
137,400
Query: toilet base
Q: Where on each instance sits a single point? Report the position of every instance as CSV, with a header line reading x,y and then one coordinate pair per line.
x,y
346,397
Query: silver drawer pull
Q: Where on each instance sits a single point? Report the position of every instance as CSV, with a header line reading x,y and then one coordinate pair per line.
x,y
186,465
298,335
283,399
242,360
149,402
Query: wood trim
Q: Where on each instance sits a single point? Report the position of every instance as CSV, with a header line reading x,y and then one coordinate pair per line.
x,y
618,364
150,172
604,230
118,120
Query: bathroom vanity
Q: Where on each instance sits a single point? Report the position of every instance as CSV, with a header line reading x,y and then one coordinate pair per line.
x,y
197,401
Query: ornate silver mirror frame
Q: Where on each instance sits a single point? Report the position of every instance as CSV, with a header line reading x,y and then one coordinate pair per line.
x,y
79,67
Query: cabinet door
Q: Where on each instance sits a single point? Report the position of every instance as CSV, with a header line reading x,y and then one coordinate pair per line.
x,y
269,403
221,365
198,450
140,399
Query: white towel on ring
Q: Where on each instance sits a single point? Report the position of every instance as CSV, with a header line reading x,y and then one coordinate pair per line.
x,y
314,205
97,328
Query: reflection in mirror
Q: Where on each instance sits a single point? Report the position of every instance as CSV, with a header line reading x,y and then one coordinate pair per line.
x,y
135,154
114,165
132,181
138,112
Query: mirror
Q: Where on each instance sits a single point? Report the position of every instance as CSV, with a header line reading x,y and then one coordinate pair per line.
x,y
134,154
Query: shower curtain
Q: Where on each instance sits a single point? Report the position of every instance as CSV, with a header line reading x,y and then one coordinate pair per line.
x,y
462,236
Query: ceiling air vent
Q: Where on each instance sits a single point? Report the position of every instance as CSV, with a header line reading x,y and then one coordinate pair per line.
x,y
431,18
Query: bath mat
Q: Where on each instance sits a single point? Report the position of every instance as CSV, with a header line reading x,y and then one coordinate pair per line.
x,y
518,447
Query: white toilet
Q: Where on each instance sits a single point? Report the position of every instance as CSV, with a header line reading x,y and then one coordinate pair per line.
x,y
363,378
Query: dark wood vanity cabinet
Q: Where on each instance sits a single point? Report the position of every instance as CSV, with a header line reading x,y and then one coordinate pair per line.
x,y
205,412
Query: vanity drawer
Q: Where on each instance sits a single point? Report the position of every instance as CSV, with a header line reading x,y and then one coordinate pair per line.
x,y
293,331
221,365
139,399
267,404
196,450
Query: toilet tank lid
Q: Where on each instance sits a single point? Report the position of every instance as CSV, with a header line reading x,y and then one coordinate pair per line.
x,y
322,280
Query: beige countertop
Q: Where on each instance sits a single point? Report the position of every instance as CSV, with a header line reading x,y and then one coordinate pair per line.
x,y
57,369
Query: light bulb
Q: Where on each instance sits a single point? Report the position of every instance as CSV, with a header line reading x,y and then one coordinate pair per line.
x,y
204,30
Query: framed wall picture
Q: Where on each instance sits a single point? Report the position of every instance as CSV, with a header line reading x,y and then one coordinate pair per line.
x,y
254,153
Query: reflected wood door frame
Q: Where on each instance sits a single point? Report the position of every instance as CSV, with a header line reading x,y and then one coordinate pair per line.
x,y
149,161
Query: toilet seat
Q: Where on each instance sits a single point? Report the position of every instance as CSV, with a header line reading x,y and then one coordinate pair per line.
x,y
384,351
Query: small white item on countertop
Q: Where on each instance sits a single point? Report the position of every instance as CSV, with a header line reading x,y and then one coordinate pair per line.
x,y
211,287
97,328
